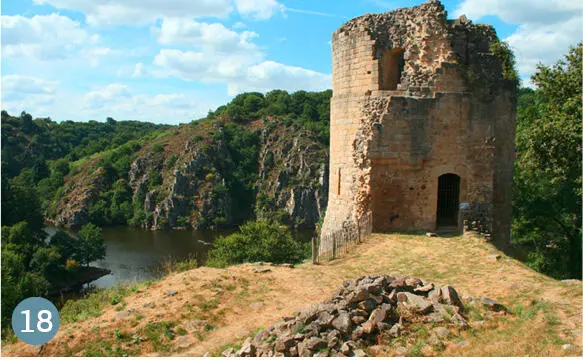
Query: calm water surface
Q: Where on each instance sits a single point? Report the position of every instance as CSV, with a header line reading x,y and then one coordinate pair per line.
x,y
139,255
134,254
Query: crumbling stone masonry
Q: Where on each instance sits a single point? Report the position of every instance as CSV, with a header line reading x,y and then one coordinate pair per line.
x,y
422,125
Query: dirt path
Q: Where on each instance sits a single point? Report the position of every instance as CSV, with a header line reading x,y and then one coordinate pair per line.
x,y
214,308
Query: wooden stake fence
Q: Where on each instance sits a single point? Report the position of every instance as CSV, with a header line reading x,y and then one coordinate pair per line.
x,y
337,243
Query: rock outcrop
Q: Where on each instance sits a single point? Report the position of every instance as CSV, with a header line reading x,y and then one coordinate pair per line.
x,y
355,315
189,184
293,176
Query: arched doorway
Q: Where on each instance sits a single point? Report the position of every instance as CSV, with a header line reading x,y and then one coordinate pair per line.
x,y
448,200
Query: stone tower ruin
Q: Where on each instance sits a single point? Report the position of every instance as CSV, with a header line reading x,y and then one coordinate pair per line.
x,y
422,125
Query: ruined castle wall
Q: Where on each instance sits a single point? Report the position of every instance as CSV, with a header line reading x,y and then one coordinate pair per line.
x,y
421,139
354,73
451,112
357,50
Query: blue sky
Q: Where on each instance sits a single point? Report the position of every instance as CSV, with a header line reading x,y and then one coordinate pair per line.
x,y
171,61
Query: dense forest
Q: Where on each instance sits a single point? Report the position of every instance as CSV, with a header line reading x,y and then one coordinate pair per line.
x,y
36,154
242,162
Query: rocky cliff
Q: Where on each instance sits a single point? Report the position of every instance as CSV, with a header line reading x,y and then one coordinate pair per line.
x,y
211,173
293,176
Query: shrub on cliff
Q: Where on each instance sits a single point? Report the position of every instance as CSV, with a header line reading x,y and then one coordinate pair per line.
x,y
257,241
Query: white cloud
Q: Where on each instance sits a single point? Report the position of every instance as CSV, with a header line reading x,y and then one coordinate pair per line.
x,y
21,92
139,70
203,66
522,11
534,44
43,98
258,9
547,27
241,72
27,85
93,55
270,75
224,56
43,37
113,92
218,53
141,12
121,102
213,37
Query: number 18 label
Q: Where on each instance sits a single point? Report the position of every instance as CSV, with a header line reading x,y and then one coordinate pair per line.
x,y
35,320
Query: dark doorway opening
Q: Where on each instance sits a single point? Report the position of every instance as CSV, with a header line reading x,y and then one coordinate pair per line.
x,y
448,200
391,66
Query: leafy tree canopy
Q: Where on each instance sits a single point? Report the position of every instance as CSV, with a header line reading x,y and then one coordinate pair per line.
x,y
547,184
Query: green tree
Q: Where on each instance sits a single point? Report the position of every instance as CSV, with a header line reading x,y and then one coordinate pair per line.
x,y
20,202
40,170
547,191
157,148
257,241
90,244
253,103
23,265
65,244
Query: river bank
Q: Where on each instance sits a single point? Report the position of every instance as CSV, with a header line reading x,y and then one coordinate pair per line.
x,y
84,275
135,255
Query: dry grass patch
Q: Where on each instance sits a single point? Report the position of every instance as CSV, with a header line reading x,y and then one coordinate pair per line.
x,y
216,308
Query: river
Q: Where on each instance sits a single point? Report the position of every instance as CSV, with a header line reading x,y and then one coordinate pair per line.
x,y
134,254
138,255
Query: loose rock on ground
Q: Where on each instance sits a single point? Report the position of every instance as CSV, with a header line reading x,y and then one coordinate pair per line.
x,y
354,317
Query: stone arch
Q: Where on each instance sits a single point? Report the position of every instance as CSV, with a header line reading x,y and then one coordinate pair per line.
x,y
448,200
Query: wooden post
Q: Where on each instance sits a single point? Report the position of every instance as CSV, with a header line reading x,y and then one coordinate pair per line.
x,y
314,250
334,245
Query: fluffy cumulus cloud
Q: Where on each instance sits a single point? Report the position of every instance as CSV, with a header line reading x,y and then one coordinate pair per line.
x,y
219,54
214,37
547,27
44,37
113,92
20,92
122,102
144,12
21,84
202,66
258,9
44,98
270,75
241,72
141,12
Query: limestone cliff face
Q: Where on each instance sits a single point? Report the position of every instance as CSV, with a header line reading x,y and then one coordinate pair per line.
x,y
190,183
293,176
188,196
73,212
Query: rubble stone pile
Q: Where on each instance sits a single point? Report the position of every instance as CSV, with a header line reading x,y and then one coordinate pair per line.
x,y
354,317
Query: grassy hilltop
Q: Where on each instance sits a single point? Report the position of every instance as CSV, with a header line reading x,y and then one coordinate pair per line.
x,y
205,310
